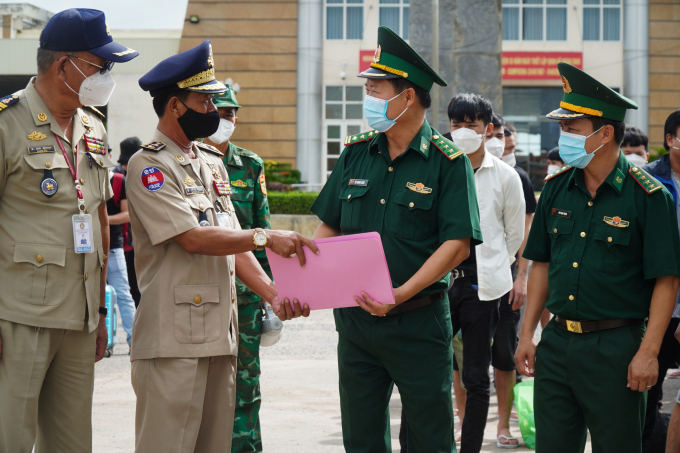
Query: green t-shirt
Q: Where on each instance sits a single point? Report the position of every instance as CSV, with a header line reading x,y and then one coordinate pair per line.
x,y
605,252
421,199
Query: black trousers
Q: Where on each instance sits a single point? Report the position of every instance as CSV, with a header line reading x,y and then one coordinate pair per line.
x,y
132,277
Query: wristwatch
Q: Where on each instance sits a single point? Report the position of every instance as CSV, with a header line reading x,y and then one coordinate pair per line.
x,y
103,311
260,239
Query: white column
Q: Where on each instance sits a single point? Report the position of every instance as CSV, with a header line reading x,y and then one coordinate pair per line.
x,y
636,61
309,81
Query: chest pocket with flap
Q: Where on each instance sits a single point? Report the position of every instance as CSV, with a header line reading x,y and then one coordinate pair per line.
x,y
559,230
612,245
353,204
98,176
40,273
197,316
415,218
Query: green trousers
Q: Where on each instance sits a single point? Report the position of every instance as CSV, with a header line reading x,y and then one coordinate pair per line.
x,y
247,435
412,350
581,386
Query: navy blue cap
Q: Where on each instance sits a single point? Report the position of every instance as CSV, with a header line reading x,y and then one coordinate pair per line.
x,y
83,30
192,70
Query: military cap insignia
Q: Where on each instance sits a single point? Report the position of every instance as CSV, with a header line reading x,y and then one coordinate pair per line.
x,y
36,136
418,187
9,100
209,148
95,145
354,139
154,146
376,56
42,117
645,180
616,221
447,147
565,85
558,172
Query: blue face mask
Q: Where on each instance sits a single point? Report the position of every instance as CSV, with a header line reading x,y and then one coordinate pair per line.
x,y
573,149
375,111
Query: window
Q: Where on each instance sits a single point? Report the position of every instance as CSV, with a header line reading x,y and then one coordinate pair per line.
x,y
344,19
601,20
535,20
344,116
395,15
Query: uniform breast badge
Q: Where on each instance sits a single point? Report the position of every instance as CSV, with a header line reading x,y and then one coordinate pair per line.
x,y
48,185
616,222
418,187
191,187
358,182
239,183
36,136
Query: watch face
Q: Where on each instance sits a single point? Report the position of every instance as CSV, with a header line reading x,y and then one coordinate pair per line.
x,y
260,239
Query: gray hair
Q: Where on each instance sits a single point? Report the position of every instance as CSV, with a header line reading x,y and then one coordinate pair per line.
x,y
46,58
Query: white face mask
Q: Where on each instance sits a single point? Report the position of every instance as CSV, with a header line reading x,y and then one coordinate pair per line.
x,y
467,140
636,160
223,133
510,159
96,90
553,168
495,147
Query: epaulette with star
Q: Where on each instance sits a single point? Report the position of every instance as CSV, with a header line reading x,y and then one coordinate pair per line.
x,y
209,148
645,180
154,146
353,139
446,146
8,100
89,107
558,172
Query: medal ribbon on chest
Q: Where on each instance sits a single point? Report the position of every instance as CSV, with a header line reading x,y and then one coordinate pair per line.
x,y
95,145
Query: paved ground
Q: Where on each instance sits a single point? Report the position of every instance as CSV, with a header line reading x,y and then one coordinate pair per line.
x,y
300,410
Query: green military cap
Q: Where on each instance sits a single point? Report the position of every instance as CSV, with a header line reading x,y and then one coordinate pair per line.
x,y
395,59
226,99
585,97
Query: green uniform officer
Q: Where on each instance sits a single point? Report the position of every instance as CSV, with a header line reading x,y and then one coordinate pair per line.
x,y
606,255
249,197
414,187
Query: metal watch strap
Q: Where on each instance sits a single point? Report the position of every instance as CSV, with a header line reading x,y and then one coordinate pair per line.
x,y
103,311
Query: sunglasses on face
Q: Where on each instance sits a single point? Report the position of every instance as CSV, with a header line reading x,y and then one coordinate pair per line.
x,y
107,66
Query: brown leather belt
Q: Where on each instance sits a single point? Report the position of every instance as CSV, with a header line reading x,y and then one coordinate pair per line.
x,y
594,326
415,304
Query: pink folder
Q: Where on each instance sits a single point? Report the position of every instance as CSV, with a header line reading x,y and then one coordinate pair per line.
x,y
346,266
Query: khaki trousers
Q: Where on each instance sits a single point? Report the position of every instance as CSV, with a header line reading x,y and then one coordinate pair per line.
x,y
184,405
46,383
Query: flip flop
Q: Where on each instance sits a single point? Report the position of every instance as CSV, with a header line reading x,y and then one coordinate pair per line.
x,y
507,439
513,417
457,434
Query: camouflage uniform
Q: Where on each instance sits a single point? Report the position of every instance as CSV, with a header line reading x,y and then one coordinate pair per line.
x,y
246,176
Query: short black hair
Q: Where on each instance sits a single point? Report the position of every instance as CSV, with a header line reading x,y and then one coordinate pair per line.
x,y
497,121
423,96
507,131
619,127
554,154
635,137
470,106
671,127
161,100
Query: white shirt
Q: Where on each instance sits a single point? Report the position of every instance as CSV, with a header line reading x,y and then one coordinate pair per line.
x,y
502,211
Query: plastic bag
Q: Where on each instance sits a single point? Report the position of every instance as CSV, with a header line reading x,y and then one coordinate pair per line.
x,y
524,402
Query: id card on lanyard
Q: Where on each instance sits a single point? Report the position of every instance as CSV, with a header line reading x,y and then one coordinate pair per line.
x,y
83,238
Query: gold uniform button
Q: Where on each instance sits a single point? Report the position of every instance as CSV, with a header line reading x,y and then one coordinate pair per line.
x,y
201,207
39,258
197,300
86,276
575,264
382,201
101,161
410,205
554,230
48,164
349,196
87,211
609,239
571,297
231,272
590,203
390,169
82,181
583,234
233,299
436,137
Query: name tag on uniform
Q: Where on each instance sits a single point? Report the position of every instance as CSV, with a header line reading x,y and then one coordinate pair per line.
x,y
224,220
358,182
195,190
83,240
40,149
561,213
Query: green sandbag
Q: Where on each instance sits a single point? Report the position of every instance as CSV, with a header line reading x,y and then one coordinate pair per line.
x,y
524,402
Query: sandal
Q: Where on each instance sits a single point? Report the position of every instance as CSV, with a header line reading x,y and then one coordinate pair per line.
x,y
507,439
514,417
457,436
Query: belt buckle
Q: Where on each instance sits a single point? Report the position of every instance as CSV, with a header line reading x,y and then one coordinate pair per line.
x,y
574,326
455,274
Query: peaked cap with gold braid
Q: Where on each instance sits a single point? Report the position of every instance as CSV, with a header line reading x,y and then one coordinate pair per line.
x,y
395,59
585,97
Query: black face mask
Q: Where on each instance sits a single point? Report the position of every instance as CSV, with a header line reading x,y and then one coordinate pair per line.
x,y
198,125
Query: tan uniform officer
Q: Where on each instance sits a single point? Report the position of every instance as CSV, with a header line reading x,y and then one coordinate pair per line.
x,y
184,340
54,237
